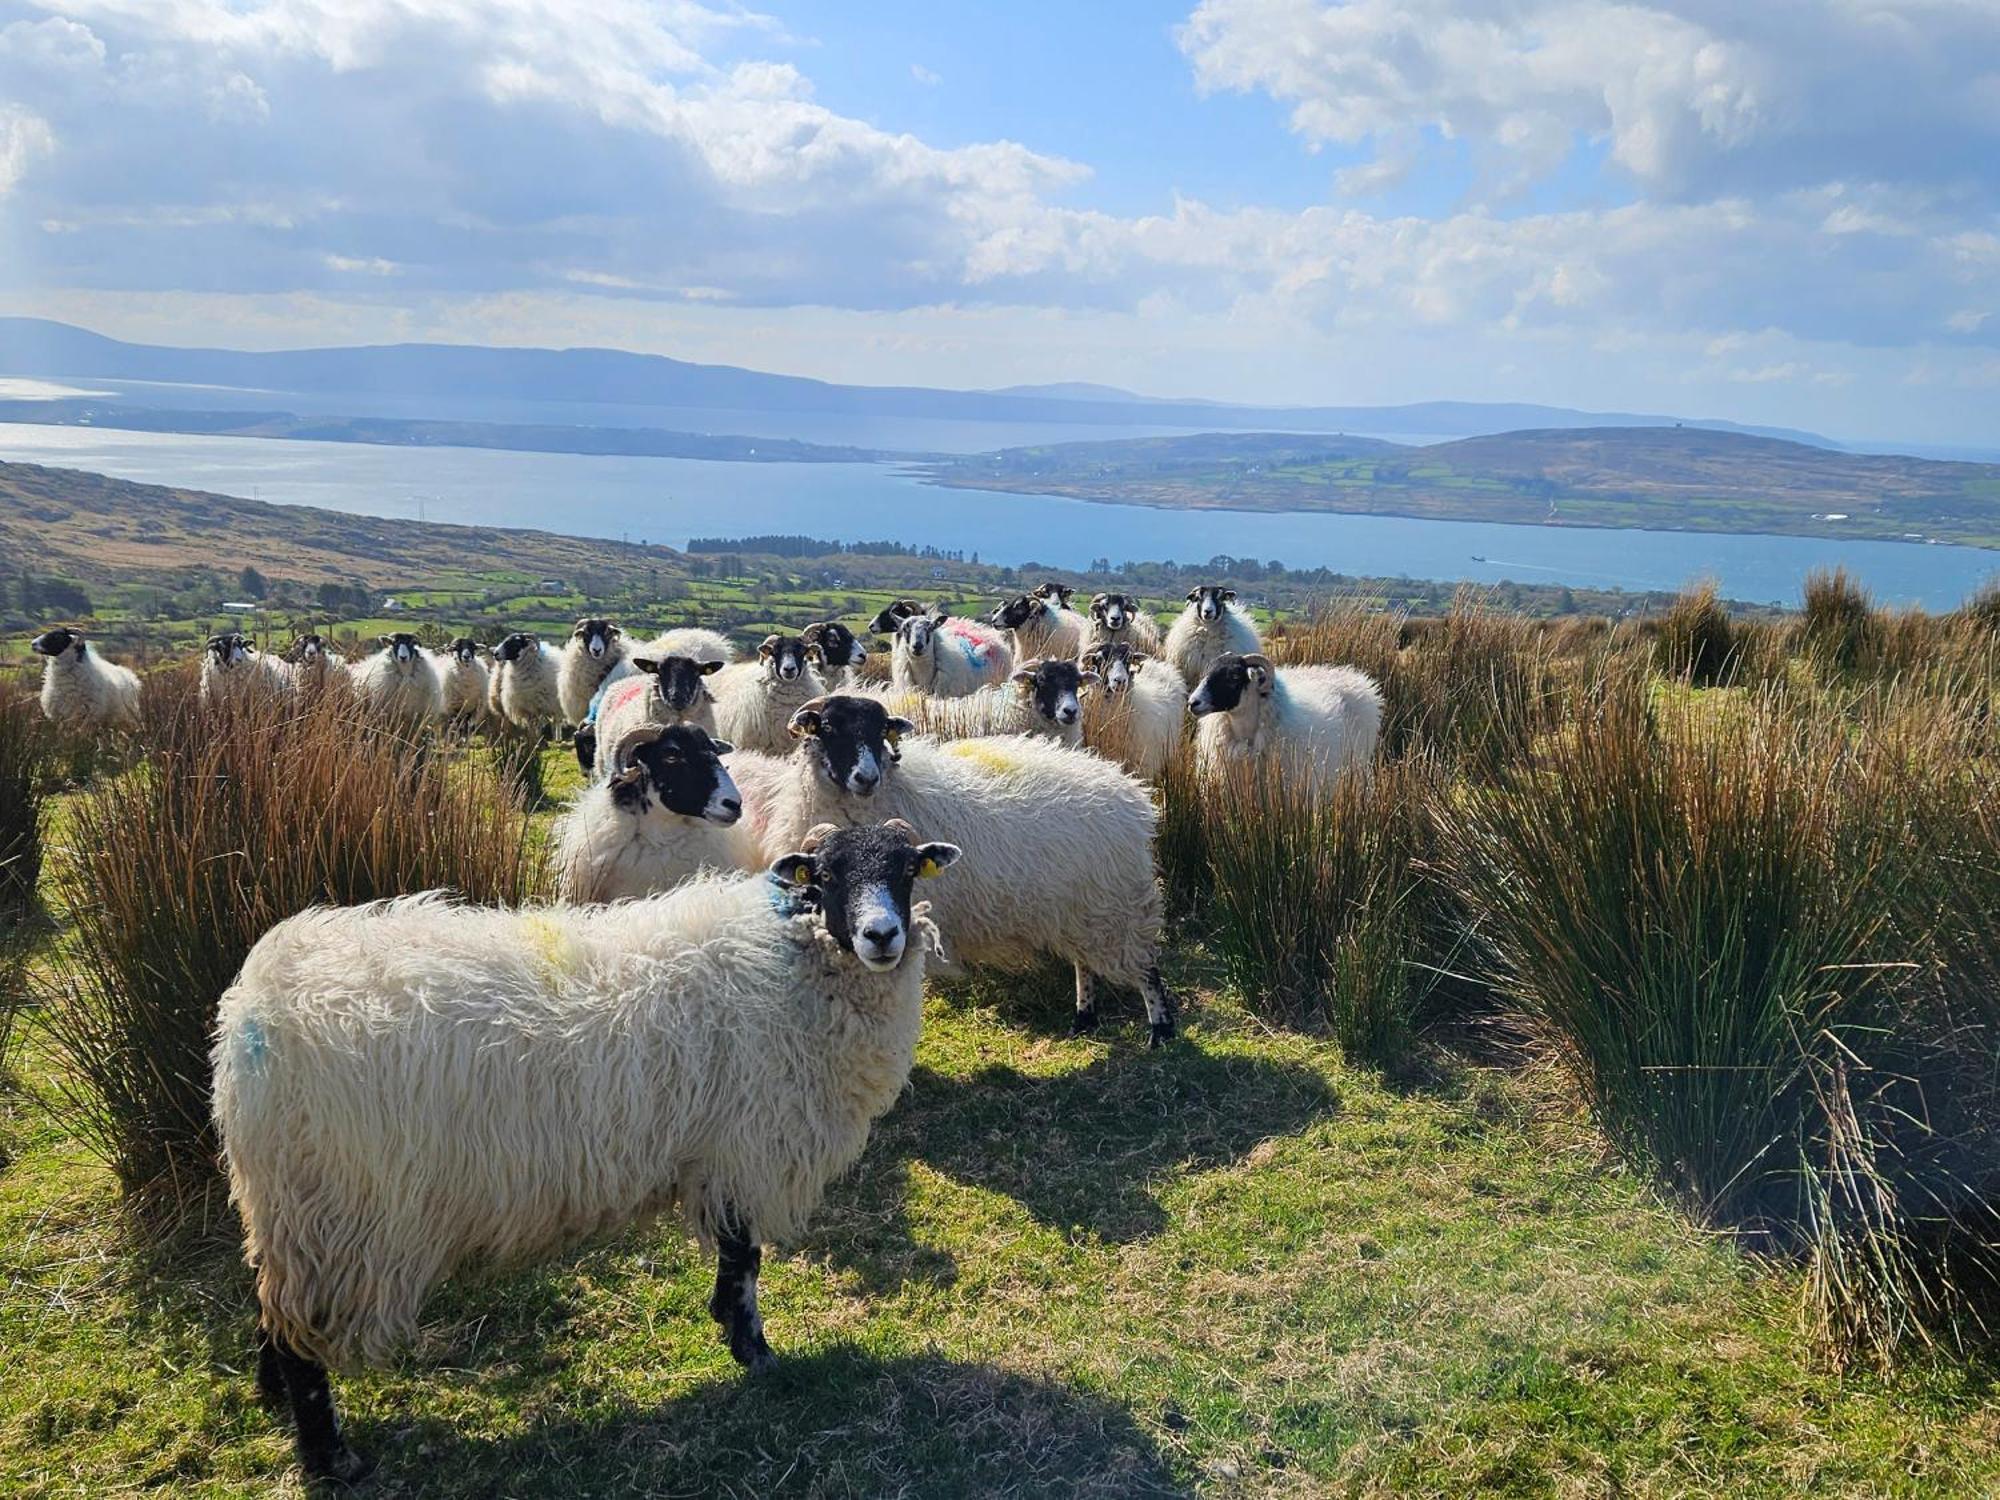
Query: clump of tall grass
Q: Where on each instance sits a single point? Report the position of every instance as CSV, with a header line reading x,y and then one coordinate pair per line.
x,y
1696,641
1982,609
1723,926
1180,843
242,816
24,751
1318,902
1838,626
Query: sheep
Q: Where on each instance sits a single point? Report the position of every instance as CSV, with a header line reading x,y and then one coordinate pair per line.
x,y
1120,617
523,686
595,647
465,682
1042,624
309,664
1210,625
400,684
1135,715
691,641
1040,699
835,650
411,1087
947,657
891,615
668,691
81,687
1058,842
1317,720
669,810
233,670
754,701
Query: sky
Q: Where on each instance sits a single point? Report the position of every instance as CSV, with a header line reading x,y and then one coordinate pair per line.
x,y
1785,211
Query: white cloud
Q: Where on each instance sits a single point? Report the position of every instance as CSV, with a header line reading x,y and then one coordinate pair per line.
x,y
925,76
24,138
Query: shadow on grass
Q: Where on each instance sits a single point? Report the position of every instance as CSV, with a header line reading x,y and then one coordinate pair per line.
x,y
837,1423
1083,1152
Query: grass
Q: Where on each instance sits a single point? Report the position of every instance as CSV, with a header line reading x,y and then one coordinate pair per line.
x,y
1239,1267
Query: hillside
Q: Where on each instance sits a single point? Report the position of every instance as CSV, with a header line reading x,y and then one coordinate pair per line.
x,y
36,346
1661,478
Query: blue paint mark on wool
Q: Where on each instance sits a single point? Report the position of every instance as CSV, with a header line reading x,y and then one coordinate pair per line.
x,y
252,1044
596,701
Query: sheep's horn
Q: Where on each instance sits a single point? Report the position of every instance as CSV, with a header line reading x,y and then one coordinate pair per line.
x,y
902,826
630,740
1259,659
817,835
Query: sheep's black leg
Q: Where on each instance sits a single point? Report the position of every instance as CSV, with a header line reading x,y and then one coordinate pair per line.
x,y
1159,1008
270,1378
1086,1004
323,1452
734,1305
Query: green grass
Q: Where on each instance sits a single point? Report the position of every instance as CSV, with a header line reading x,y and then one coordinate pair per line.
x,y
1063,1267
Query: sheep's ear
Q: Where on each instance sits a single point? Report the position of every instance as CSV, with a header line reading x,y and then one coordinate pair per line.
x,y
1089,676
935,859
1090,660
894,730
387,640
815,651
1136,659
805,723
645,664
1193,594
613,630
721,747
1025,676
1260,667
630,776
581,626
1229,593
799,869
768,647
708,668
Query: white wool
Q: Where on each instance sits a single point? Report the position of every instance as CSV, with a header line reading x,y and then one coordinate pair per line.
x,y
754,705
1193,644
523,691
86,689
313,674
691,641
408,693
1320,720
257,675
1139,727
990,711
465,685
580,675
407,1087
1057,848
1140,631
604,852
629,702
1054,631
964,657
760,782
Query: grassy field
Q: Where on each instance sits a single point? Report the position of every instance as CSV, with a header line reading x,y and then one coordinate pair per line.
x,y
1243,1265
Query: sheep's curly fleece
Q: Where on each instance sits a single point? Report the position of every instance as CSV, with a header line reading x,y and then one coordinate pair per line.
x,y
89,690
580,675
523,691
1057,848
754,705
1140,726
409,693
1317,720
603,852
407,1087
1193,644
465,685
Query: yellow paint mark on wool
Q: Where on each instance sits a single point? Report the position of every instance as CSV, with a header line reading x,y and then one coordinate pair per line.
x,y
553,945
990,754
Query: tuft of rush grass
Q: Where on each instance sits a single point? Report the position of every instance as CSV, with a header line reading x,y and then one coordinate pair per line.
x,y
1725,930
1838,625
24,751
1696,641
1240,1267
240,817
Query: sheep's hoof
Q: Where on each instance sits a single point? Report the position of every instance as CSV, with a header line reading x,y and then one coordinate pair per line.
x,y
1160,1034
752,1352
343,1466
1084,1024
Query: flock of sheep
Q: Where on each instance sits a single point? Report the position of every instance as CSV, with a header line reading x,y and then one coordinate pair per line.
x,y
729,990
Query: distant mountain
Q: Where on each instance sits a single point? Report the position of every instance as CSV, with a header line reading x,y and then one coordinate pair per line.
x,y
34,346
1661,478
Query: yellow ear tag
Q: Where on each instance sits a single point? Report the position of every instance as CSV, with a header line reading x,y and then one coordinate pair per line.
x,y
802,874
926,868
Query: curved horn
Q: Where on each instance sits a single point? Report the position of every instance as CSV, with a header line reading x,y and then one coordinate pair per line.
x,y
1258,659
631,740
817,835
902,826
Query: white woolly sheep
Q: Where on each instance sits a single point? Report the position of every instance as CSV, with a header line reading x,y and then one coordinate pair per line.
x,y
309,664
1058,842
466,683
755,700
1136,715
1210,625
692,641
835,650
672,690
1317,720
1042,698
81,687
1041,624
232,669
523,686
669,810
595,648
940,654
891,615
399,685
1116,618
407,1088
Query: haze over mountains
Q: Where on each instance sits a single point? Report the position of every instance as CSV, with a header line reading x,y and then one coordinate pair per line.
x,y
609,377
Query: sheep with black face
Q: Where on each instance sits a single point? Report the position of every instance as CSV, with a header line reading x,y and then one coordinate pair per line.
x,y
595,647
233,669
1042,624
81,687
1042,698
717,1053
754,701
1135,713
399,684
1211,624
891,615
309,663
524,686
672,690
1059,843
1120,618
669,810
834,650
940,654
466,682
1317,720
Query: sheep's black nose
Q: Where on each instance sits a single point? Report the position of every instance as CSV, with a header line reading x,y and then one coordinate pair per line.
x,y
730,804
881,934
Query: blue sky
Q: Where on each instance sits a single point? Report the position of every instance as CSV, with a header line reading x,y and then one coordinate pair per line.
x,y
1785,212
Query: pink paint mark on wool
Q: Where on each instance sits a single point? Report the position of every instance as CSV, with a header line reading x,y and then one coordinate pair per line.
x,y
624,692
979,642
